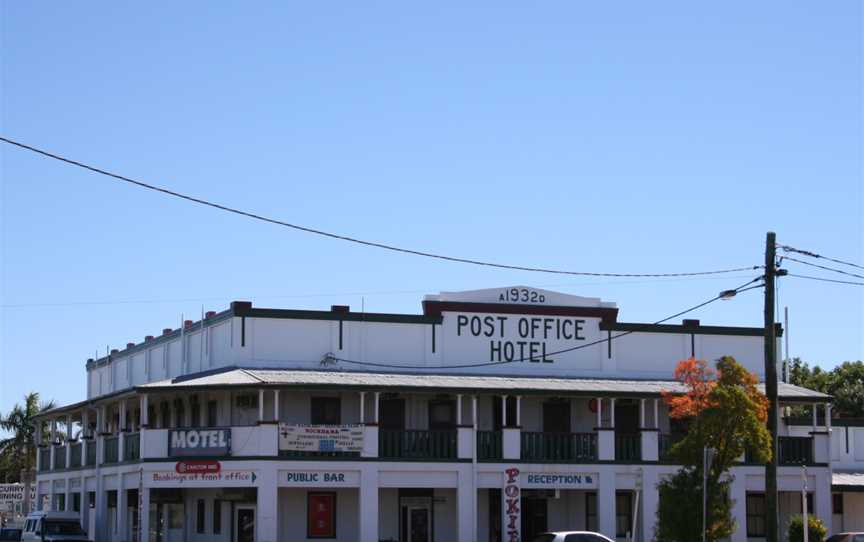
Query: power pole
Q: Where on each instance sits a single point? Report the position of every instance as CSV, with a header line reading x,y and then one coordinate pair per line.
x,y
772,524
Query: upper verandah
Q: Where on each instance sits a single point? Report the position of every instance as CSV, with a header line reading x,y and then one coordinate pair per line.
x,y
499,331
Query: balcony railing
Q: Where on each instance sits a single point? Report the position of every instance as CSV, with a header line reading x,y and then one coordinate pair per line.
x,y
417,444
666,442
489,445
44,459
75,455
59,457
131,446
90,457
559,446
628,447
112,448
795,450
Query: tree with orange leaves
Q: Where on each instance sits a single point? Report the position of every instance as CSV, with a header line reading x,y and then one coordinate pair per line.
x,y
725,411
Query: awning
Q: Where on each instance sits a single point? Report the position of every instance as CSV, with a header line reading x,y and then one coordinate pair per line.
x,y
847,481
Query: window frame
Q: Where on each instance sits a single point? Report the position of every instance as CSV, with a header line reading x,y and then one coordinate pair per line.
x,y
752,532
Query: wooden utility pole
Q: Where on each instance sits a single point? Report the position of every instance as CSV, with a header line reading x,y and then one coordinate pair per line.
x,y
771,523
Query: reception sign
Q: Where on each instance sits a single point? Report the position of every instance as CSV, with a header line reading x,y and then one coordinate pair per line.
x,y
321,438
559,480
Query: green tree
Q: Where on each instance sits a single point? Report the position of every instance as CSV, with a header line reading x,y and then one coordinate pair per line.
x,y
845,383
816,531
18,451
726,412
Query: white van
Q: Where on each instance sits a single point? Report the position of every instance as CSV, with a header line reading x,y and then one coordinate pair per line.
x,y
53,526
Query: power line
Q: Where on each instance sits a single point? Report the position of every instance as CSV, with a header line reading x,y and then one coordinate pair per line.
x,y
814,255
341,237
739,289
252,297
823,279
826,268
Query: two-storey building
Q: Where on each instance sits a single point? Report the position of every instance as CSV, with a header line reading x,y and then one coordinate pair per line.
x,y
492,415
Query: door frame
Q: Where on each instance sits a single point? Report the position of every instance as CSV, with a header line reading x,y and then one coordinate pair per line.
x,y
428,509
235,524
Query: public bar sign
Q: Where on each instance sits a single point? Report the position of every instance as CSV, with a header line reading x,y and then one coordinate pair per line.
x,y
321,438
199,442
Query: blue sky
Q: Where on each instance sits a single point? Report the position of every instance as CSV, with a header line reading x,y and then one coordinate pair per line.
x,y
628,137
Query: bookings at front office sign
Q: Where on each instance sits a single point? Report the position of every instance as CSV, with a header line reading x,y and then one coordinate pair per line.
x,y
199,442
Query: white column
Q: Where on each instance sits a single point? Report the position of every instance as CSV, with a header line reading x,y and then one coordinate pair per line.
x,y
83,514
504,411
738,493
362,407
276,405
267,520
474,411
650,499
122,416
145,410
377,407
466,495
828,416
143,515
656,414
606,503
53,431
458,409
815,407
261,405
518,411
369,505
612,413
599,411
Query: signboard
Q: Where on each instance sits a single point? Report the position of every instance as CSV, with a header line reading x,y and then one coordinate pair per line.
x,y
11,493
513,338
226,478
511,513
559,480
199,442
197,467
321,522
319,478
321,438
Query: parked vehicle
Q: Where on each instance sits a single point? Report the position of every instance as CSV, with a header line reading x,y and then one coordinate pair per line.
x,y
53,527
10,534
847,537
572,536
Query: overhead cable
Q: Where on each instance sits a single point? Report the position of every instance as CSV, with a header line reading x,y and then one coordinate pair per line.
x,y
349,239
814,255
826,268
823,279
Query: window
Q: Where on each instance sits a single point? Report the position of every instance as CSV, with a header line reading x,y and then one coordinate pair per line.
x,y
212,413
199,516
623,513
756,515
76,502
591,511
442,414
217,516
326,411
837,503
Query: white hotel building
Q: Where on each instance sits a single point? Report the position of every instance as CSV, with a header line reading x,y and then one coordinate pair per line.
x,y
254,425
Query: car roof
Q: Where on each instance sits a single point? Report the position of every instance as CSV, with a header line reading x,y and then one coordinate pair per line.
x,y
52,514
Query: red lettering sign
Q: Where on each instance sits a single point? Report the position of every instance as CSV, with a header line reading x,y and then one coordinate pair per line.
x,y
512,514
322,515
198,467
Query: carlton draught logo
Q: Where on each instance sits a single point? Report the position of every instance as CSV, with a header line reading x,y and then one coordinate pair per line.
x,y
197,467
511,502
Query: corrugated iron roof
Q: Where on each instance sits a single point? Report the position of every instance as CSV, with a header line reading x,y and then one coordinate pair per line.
x,y
449,382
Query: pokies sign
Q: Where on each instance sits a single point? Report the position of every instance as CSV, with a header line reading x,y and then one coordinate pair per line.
x,y
511,512
321,522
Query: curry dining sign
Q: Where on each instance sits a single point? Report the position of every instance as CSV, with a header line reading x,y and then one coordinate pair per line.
x,y
321,438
